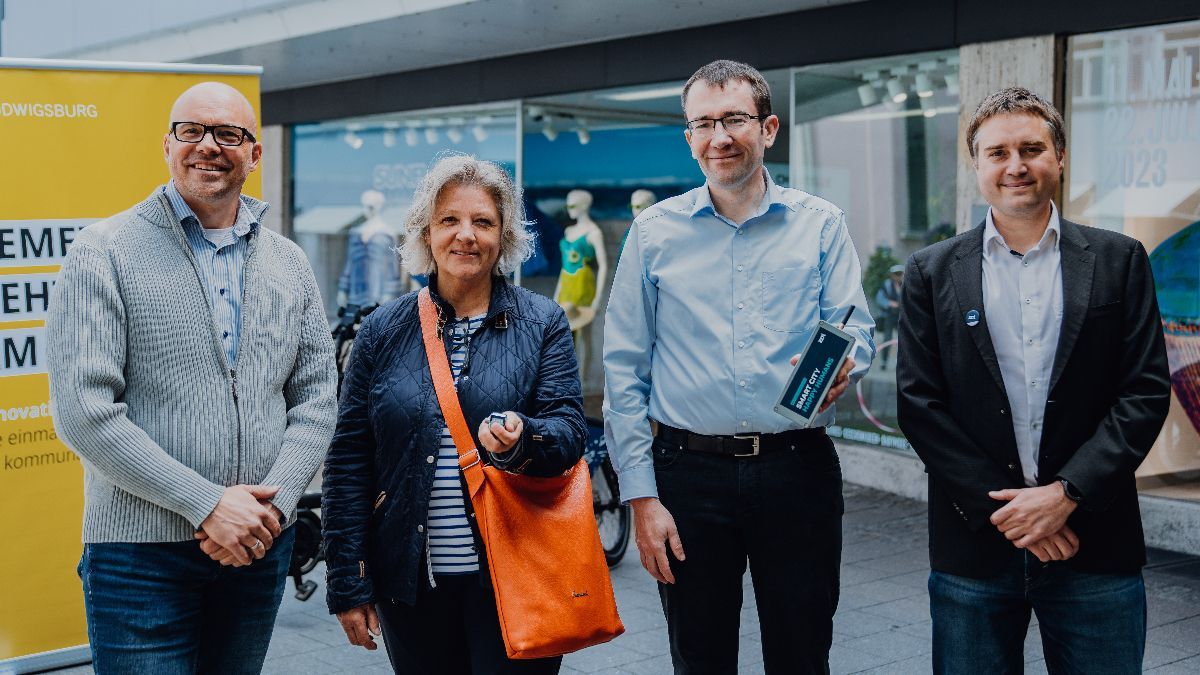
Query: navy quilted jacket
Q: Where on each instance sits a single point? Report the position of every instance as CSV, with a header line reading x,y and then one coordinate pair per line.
x,y
378,475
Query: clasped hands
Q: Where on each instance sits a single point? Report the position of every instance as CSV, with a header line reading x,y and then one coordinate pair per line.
x,y
242,527
1035,519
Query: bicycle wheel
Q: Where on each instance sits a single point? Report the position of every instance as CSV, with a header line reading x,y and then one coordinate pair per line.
x,y
612,517
306,551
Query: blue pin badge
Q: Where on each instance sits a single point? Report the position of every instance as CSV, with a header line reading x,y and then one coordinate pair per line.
x,y
973,317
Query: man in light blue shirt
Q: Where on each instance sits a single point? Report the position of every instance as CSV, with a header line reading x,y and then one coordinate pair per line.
x,y
716,292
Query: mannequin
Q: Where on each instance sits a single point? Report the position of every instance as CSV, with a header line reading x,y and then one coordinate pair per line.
x,y
372,272
639,201
580,288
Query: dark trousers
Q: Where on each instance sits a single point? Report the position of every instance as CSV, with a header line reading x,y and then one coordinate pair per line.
x,y
168,608
452,629
782,512
1091,624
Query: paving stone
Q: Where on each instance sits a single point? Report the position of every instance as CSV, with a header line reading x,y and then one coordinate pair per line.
x,y
853,574
1164,610
649,642
911,560
903,611
914,664
844,660
1159,655
856,623
873,593
352,656
607,655
1183,634
1185,667
299,664
1036,668
891,644
657,665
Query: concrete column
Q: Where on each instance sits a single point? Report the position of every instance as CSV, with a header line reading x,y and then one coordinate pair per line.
x,y
277,177
1035,63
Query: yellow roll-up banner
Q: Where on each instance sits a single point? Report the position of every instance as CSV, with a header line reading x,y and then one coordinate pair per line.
x,y
79,141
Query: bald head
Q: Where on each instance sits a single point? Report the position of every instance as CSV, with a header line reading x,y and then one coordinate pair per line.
x,y
214,98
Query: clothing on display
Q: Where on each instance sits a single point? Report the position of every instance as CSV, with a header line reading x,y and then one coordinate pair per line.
x,y
577,281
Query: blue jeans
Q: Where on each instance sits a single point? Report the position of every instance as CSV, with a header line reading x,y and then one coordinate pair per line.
x,y
1090,623
168,608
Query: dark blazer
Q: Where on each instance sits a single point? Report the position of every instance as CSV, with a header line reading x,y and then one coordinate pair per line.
x,y
378,473
1109,394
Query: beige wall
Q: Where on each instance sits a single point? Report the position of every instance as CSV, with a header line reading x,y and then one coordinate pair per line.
x,y
1031,62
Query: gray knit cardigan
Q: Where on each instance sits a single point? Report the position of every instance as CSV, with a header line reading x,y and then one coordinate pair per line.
x,y
141,390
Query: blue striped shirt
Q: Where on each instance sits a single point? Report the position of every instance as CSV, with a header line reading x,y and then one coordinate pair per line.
x,y
451,546
221,263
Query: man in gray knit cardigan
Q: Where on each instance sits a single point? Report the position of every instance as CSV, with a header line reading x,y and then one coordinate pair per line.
x,y
191,368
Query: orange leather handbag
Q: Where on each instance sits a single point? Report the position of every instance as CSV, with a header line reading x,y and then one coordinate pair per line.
x,y
547,567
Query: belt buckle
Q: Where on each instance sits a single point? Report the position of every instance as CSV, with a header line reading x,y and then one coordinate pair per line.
x,y
752,453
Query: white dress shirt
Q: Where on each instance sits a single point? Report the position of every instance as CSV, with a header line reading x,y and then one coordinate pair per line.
x,y
1023,303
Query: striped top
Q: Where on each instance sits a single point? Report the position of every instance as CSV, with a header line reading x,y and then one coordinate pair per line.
x,y
451,546
220,257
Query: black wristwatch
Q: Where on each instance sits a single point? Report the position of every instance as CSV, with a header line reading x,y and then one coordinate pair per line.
x,y
1070,491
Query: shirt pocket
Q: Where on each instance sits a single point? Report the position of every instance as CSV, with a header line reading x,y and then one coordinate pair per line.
x,y
791,296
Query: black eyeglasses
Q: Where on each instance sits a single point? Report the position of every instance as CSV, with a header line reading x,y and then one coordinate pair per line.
x,y
703,126
224,134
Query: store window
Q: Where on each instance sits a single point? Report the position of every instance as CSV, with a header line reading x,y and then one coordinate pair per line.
x,y
1133,166
353,182
878,138
591,161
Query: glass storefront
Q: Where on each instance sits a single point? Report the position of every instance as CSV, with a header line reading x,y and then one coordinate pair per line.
x,y
353,182
1133,166
588,161
878,138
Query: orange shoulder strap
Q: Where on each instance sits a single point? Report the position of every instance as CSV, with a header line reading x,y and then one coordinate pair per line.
x,y
443,385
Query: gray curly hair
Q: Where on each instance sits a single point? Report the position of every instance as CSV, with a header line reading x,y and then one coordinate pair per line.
x,y
516,241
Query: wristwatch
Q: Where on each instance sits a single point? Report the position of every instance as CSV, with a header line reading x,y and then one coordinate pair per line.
x,y
1070,491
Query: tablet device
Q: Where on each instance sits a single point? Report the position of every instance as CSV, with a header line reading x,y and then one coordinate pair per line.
x,y
815,372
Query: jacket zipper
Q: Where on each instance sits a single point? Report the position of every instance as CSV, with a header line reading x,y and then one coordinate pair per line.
x,y
237,410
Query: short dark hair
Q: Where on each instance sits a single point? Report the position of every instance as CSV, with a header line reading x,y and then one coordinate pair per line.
x,y
719,73
1018,100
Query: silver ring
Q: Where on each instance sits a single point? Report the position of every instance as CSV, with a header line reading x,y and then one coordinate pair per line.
x,y
257,544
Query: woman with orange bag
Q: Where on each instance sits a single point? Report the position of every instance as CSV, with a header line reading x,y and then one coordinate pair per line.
x,y
403,550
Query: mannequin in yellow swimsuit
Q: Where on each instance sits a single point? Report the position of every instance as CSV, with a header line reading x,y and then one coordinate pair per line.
x,y
580,287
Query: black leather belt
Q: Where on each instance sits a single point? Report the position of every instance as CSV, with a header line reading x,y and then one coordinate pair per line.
x,y
741,445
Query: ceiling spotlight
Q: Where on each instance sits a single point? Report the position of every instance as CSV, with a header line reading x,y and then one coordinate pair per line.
x,y
927,107
952,84
549,131
479,133
431,135
867,95
584,135
924,85
410,137
353,140
896,90
389,138
455,135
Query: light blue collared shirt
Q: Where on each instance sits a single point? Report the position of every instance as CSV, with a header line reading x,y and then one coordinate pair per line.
x,y
221,266
1023,303
704,316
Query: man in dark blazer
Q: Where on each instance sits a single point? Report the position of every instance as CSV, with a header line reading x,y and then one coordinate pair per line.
x,y
1032,380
